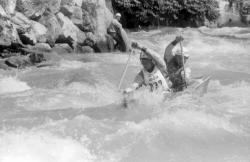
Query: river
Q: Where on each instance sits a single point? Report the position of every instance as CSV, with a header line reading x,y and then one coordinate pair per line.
x,y
71,112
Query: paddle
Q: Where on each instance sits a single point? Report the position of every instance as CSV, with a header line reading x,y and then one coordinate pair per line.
x,y
183,63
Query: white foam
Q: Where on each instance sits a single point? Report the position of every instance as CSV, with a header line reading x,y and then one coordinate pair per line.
x,y
236,32
66,64
11,85
74,95
31,146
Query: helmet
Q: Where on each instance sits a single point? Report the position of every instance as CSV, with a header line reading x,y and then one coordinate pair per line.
x,y
118,15
184,52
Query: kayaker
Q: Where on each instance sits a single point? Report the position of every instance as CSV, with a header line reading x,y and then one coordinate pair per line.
x,y
153,72
173,58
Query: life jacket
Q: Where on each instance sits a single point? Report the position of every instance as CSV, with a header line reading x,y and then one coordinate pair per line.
x,y
155,80
173,66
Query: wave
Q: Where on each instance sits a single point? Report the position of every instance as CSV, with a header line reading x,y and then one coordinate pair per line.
x,y
12,85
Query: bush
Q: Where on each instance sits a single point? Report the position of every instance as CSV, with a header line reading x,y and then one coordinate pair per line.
x,y
166,12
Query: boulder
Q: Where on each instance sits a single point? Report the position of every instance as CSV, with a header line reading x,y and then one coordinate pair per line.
x,y
74,13
84,49
43,47
72,2
79,17
53,27
9,6
3,65
62,48
100,16
8,34
18,61
87,49
34,9
2,12
34,33
70,32
87,24
21,22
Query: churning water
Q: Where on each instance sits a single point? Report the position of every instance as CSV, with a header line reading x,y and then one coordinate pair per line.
x,y
71,112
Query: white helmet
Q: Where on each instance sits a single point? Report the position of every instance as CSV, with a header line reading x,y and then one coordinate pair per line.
x,y
177,51
118,15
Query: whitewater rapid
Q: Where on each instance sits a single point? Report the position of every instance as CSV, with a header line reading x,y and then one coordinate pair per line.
x,y
71,111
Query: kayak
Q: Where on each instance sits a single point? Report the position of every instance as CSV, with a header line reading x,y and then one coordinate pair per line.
x,y
197,86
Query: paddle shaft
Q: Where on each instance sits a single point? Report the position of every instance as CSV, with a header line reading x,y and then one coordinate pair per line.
x,y
183,64
124,71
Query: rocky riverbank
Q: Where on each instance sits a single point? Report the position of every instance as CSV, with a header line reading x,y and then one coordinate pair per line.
x,y
61,26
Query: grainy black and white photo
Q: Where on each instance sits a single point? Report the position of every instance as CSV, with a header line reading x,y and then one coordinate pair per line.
x,y
124,80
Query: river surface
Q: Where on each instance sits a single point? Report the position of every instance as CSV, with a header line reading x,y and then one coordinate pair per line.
x,y
71,113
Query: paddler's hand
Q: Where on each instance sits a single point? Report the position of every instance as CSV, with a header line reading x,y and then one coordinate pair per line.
x,y
179,39
136,45
128,91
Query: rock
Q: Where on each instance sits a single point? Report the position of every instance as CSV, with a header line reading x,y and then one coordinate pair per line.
x,y
43,47
109,5
74,13
34,33
3,65
87,24
100,16
53,27
8,34
79,17
21,22
87,49
67,10
34,9
70,32
2,12
62,48
9,6
72,2
84,49
90,39
18,61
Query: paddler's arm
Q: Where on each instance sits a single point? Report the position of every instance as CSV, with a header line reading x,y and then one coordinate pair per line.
x,y
117,24
138,82
155,56
168,54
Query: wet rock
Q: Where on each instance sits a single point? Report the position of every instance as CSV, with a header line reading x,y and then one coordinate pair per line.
x,y
62,48
43,47
3,65
18,61
103,45
90,39
87,49
9,6
71,34
84,49
34,9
